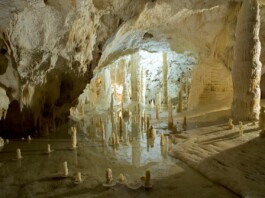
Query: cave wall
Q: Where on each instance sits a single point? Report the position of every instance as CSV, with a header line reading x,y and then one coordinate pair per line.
x,y
54,40
56,46
211,85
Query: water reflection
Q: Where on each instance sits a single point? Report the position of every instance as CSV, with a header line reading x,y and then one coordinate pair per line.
x,y
126,139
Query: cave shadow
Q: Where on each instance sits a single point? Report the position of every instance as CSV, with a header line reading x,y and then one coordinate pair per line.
x,y
17,123
227,137
244,162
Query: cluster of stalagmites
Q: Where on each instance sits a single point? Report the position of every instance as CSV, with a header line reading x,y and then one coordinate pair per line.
x,y
123,84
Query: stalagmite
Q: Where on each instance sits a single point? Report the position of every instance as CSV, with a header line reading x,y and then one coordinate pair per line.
x,y
135,78
78,178
241,128
125,91
104,98
49,148
109,179
65,169
29,138
170,115
165,76
152,104
122,179
246,71
230,123
147,180
143,86
179,109
19,156
187,87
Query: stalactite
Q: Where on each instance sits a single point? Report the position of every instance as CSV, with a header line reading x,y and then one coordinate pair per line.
x,y
165,76
125,91
115,82
246,71
73,2
135,78
143,85
187,87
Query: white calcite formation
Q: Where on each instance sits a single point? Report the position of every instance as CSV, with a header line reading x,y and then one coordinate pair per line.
x,y
165,77
2,142
125,92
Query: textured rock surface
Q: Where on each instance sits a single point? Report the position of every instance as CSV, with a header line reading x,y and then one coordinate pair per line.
x,y
58,44
247,66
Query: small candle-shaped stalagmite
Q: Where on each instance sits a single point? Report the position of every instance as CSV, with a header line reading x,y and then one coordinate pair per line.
x,y
162,140
122,179
152,104
7,141
65,169
29,138
49,148
19,156
109,176
78,177
147,181
241,128
230,124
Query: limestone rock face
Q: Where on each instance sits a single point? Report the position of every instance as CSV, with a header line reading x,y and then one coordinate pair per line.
x,y
57,45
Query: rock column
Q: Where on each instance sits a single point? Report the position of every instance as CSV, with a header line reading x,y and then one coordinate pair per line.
x,y
246,71
143,86
125,91
135,78
165,73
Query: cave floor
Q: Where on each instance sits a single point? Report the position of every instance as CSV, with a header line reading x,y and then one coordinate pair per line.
x,y
35,174
222,155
